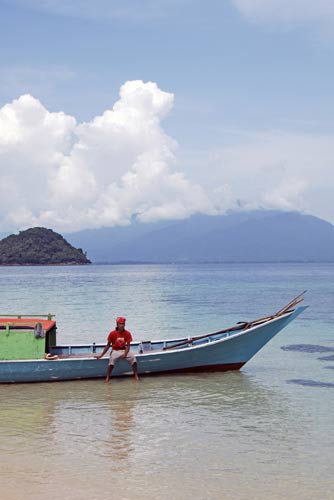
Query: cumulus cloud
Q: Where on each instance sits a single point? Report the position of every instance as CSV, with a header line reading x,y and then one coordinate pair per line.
x,y
287,12
273,170
58,173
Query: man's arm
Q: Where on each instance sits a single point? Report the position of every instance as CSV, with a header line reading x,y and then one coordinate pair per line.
x,y
106,348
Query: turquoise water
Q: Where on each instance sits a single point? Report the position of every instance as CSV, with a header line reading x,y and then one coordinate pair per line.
x,y
264,432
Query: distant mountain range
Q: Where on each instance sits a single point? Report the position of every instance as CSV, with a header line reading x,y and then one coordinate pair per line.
x,y
259,236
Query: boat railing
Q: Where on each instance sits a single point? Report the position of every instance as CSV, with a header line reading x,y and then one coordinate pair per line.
x,y
48,316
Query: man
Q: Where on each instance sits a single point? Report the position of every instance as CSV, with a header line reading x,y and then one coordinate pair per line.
x,y
119,339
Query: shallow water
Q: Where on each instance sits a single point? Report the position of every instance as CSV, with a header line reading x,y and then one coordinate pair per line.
x,y
264,432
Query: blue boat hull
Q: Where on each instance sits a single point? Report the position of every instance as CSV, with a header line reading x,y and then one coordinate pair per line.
x,y
214,353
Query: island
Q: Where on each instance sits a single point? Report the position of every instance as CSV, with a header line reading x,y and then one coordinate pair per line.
x,y
39,246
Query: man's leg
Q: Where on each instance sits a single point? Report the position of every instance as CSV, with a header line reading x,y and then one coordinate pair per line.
x,y
114,358
135,371
132,360
110,367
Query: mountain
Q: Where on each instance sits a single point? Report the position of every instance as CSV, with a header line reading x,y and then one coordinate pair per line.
x,y
100,243
259,236
39,246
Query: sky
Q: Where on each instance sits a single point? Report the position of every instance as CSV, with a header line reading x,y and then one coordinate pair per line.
x,y
115,108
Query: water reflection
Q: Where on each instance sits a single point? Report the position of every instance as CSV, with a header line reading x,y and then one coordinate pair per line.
x,y
89,410
138,433
22,418
95,420
122,425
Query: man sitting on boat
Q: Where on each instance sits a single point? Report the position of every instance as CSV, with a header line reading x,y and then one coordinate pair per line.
x,y
119,340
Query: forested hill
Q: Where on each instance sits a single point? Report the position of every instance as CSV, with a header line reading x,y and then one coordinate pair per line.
x,y
39,246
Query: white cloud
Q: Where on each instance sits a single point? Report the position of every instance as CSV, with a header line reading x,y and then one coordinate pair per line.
x,y
57,173
273,169
287,12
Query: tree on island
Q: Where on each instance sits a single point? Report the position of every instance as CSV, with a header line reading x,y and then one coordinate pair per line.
x,y
39,246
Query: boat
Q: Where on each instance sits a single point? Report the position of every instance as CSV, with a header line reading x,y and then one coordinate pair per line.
x,y
29,351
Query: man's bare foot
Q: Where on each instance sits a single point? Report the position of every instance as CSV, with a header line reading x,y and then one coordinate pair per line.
x,y
106,381
136,378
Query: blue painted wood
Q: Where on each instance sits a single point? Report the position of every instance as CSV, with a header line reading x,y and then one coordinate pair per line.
x,y
218,352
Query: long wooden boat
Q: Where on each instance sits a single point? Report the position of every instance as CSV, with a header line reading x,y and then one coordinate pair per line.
x,y
29,351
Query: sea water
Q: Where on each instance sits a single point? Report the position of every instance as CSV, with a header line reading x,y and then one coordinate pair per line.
x,y
265,432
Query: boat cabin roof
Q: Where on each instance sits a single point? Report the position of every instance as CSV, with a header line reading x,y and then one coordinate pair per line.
x,y
28,323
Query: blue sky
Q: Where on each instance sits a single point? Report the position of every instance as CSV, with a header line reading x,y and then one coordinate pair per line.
x,y
248,122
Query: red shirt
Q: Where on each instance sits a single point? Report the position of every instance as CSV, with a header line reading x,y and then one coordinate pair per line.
x,y
118,340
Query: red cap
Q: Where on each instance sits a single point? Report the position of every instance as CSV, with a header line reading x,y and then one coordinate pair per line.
x,y
120,320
